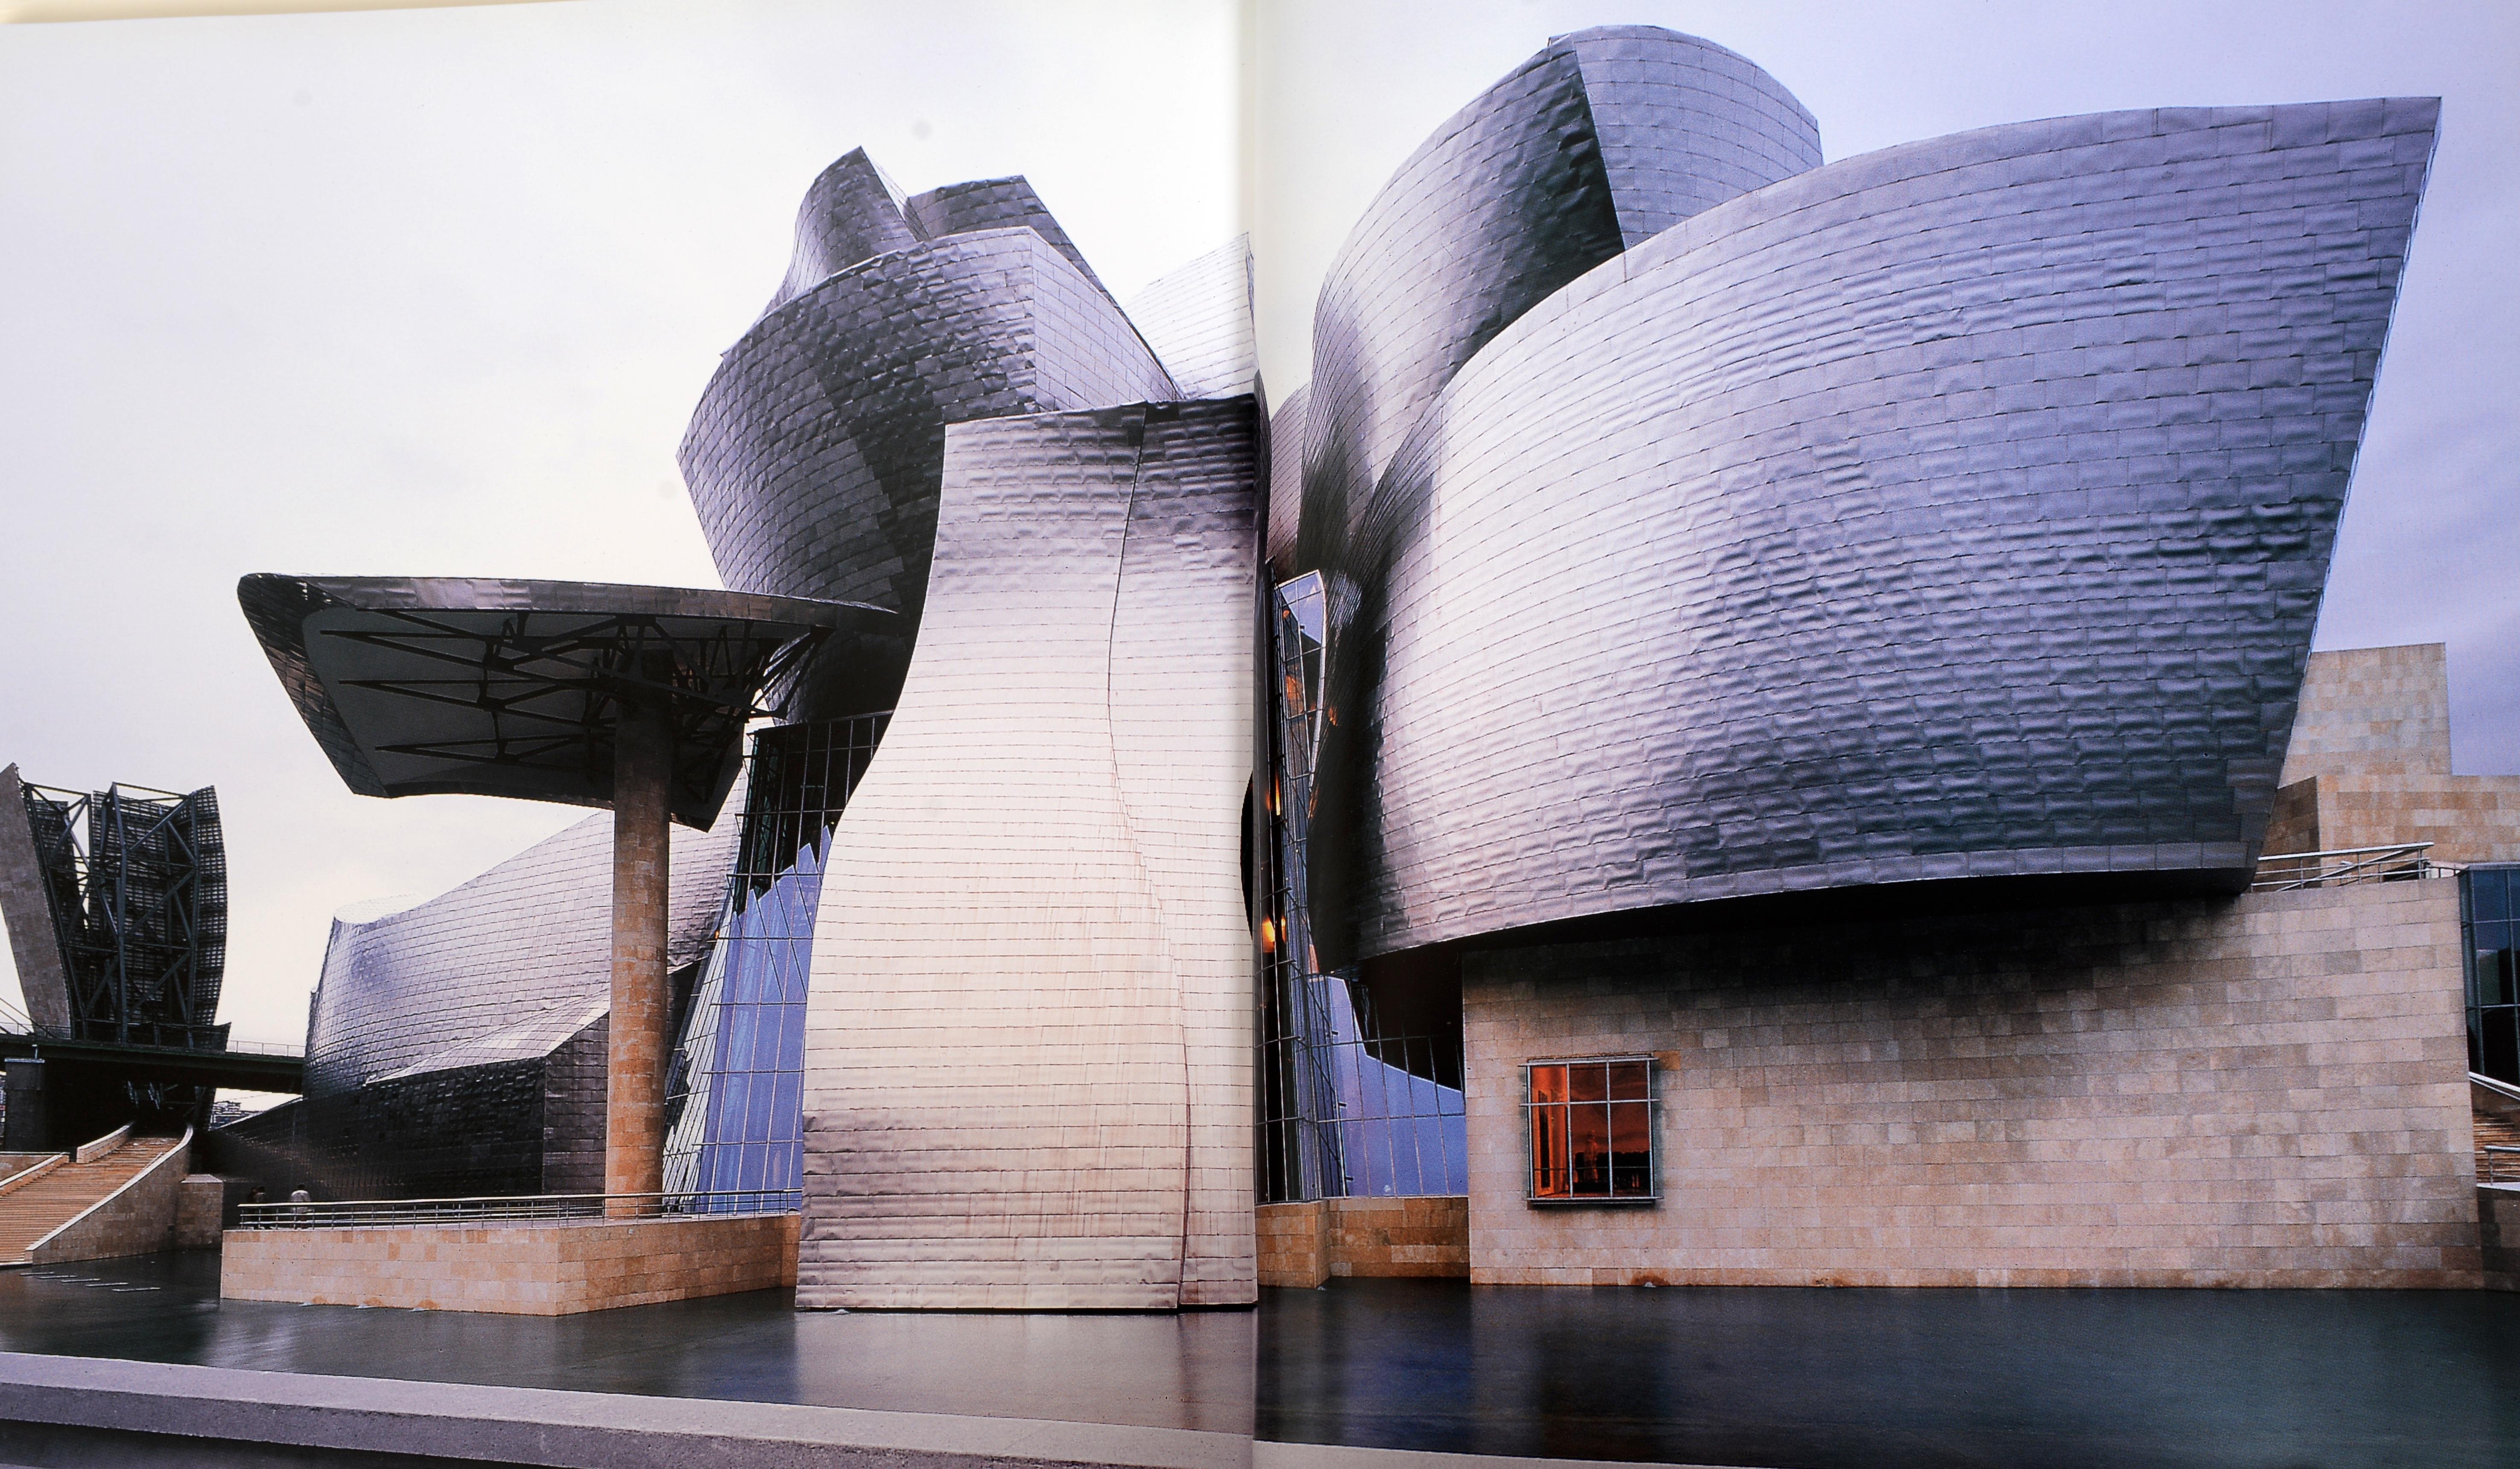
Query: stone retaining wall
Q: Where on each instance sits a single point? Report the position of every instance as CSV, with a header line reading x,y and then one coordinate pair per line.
x,y
555,1268
1305,1244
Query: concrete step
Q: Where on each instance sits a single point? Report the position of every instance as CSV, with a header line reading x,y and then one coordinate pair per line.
x,y
42,1205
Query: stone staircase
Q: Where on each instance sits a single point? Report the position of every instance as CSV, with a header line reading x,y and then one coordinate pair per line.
x,y
43,1204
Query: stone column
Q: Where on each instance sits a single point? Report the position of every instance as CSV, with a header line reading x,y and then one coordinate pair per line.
x,y
634,1119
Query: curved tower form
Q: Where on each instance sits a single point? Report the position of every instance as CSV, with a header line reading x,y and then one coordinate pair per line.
x,y
814,455
1603,139
1905,521
1029,1038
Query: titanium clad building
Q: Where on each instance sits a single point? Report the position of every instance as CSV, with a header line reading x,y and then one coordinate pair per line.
x,y
1725,736
1801,685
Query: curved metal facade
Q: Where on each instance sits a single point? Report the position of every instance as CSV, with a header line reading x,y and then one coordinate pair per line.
x,y
1603,139
1029,1037
814,455
1960,510
529,940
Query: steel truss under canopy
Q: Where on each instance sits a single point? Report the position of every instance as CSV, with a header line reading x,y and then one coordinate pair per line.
x,y
511,687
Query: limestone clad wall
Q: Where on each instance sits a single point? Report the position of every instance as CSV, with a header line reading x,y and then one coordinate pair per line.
x,y
2266,1091
198,1200
1293,1244
530,1270
2370,763
1304,1244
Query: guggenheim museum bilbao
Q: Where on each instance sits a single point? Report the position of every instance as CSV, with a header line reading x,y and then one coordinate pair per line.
x,y
1725,736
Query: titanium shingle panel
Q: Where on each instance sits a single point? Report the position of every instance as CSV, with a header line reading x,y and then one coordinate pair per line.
x,y
1029,1048
1601,139
1957,509
529,941
994,205
851,213
1197,319
1285,482
814,455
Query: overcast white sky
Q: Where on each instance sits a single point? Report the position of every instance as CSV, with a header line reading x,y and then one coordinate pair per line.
x,y
433,292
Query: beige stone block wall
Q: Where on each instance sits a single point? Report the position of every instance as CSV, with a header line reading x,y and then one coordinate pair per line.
x,y
2372,711
2498,1214
2466,817
2261,1092
2370,763
1304,1244
199,1199
1415,1236
555,1268
1293,1244
136,1218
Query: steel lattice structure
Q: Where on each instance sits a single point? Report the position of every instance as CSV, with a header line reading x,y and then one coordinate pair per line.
x,y
137,883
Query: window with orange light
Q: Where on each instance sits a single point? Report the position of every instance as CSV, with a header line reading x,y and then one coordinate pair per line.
x,y
1592,1128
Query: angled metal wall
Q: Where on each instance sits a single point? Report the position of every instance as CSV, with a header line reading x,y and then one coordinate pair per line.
x,y
1959,509
1197,319
1029,1039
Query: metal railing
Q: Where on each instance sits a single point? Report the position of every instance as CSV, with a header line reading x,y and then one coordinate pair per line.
x,y
2492,1172
2406,861
14,1024
367,1214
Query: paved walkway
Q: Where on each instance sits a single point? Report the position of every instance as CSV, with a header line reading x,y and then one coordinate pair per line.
x,y
1749,1377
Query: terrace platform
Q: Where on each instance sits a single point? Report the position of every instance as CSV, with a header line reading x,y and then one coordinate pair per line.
x,y
1360,1374
546,1268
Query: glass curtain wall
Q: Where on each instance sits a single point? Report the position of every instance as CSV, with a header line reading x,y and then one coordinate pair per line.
x,y
734,1108
2488,906
1345,1110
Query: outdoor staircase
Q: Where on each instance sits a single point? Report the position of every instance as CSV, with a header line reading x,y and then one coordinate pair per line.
x,y
2500,1132
37,1207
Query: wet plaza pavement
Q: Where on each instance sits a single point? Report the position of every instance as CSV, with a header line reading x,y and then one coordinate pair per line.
x,y
1729,1376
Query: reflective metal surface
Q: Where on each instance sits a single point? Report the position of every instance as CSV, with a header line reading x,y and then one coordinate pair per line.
x,y
1029,1040
1197,319
521,950
1955,511
1605,138
814,454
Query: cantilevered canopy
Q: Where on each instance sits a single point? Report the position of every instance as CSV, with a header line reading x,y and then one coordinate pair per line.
x,y
418,686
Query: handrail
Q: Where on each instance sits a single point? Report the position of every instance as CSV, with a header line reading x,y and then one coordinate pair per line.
x,y
2401,862
516,1209
2489,1150
43,1035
